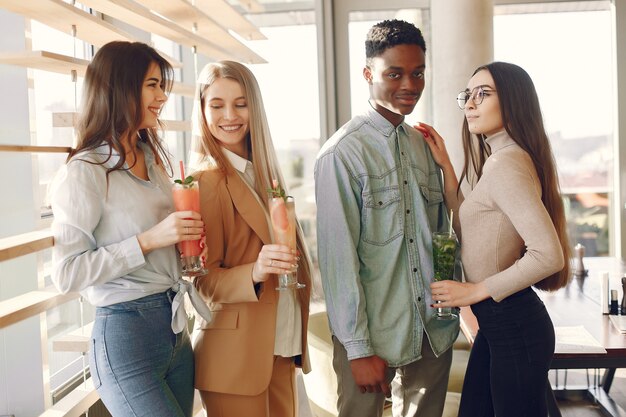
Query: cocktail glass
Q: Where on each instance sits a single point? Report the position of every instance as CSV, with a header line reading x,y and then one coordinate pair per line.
x,y
283,219
187,197
444,256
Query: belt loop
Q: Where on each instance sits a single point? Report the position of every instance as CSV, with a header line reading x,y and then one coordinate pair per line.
x,y
170,295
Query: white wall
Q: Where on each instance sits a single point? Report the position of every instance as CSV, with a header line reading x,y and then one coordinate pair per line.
x,y
21,364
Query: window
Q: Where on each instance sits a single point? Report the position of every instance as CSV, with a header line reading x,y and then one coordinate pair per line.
x,y
290,88
575,91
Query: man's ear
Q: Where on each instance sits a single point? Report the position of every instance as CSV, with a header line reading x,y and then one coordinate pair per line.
x,y
367,74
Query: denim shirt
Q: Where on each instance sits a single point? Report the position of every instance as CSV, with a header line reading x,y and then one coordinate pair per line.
x,y
379,196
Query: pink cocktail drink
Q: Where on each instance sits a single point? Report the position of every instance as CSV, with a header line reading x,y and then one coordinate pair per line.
x,y
187,198
283,219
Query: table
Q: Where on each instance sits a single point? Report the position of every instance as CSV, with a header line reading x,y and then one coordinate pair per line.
x,y
575,305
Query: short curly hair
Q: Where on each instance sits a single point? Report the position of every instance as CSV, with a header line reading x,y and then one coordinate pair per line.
x,y
390,33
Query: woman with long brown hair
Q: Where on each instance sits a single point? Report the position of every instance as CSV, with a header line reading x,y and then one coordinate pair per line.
x,y
246,357
115,234
513,237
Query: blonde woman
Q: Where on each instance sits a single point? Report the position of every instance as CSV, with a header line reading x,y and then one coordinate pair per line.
x,y
246,357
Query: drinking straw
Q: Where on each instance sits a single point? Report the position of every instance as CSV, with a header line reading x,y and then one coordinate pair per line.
x,y
182,170
451,219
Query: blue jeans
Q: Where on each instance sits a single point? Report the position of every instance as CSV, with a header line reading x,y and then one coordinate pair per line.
x,y
508,367
138,365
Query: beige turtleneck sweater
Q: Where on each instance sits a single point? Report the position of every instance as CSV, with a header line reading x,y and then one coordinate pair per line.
x,y
502,216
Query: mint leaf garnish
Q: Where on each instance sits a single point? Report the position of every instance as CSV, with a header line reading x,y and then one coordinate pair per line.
x,y
186,182
277,191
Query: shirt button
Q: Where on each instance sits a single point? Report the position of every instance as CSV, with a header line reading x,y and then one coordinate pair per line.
x,y
408,211
405,182
419,298
380,203
411,240
414,269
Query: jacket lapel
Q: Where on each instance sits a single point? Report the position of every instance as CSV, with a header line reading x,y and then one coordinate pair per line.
x,y
249,206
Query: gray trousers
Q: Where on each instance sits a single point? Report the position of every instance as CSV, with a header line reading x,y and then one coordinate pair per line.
x,y
418,389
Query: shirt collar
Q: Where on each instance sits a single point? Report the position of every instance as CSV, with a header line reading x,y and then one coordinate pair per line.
x,y
236,161
499,141
101,154
383,125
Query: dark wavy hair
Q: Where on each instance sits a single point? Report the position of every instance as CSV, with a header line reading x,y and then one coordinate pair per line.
x,y
112,105
522,119
390,33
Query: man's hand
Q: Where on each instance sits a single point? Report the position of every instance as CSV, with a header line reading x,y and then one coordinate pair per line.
x,y
369,374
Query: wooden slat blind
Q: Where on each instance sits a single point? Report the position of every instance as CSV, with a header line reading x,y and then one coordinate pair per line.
x,y
24,244
75,403
35,149
30,304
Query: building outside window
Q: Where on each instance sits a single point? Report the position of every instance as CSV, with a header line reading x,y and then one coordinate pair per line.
x,y
568,55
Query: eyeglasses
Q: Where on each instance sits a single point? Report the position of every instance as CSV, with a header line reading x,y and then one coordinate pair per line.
x,y
477,95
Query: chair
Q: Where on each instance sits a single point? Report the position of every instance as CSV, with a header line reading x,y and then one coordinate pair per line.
x,y
321,382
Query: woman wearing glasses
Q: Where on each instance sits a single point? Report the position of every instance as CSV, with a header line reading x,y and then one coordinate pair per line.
x,y
513,236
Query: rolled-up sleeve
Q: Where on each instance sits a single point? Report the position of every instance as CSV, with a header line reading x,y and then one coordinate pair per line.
x,y
338,232
78,199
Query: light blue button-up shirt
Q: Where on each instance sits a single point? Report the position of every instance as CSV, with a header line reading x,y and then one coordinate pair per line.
x,y
379,198
96,223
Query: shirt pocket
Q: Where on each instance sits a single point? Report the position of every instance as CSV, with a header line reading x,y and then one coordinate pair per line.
x,y
431,197
382,216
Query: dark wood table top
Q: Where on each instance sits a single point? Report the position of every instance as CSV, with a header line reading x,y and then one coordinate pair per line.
x,y
578,304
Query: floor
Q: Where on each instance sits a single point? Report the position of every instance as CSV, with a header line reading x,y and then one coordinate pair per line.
x,y
303,404
568,408
584,409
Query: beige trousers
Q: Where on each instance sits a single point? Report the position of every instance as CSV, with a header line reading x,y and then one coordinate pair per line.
x,y
278,400
418,389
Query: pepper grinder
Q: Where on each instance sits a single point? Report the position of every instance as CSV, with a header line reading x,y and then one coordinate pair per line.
x,y
579,267
623,309
614,310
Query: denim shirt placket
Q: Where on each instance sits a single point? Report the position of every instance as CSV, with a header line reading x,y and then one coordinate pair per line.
x,y
410,237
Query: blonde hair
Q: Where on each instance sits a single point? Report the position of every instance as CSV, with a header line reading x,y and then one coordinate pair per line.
x,y
206,151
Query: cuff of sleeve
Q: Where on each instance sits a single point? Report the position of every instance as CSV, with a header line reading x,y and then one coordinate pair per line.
x,y
358,349
496,291
257,289
258,286
131,251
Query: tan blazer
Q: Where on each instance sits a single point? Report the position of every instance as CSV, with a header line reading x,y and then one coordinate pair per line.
x,y
234,353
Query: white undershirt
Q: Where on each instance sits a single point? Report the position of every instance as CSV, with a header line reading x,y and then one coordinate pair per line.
x,y
288,341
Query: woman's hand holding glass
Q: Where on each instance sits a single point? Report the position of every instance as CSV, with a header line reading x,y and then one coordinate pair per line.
x,y
274,259
458,294
179,226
